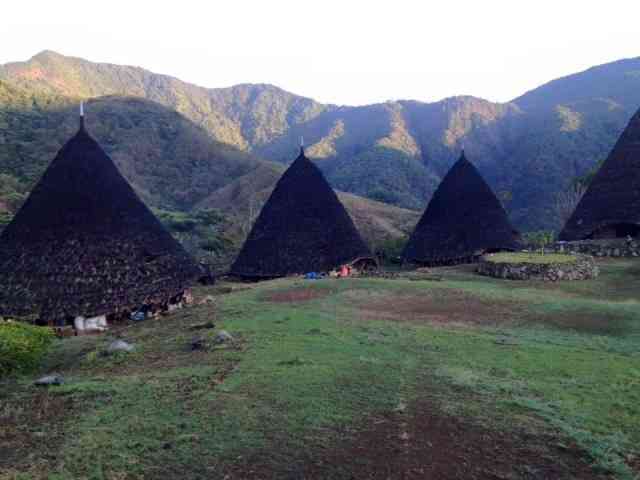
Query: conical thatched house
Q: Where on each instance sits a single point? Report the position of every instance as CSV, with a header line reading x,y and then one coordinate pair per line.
x,y
302,228
610,208
84,245
463,220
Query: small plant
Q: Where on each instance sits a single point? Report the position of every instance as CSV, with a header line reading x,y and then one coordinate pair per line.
x,y
540,239
22,346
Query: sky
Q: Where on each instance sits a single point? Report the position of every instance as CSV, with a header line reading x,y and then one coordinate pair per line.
x,y
344,52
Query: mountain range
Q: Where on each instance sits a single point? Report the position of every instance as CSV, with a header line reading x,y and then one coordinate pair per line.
x,y
184,146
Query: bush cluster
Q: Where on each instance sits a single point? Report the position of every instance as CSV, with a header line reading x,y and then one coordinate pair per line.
x,y
22,346
390,250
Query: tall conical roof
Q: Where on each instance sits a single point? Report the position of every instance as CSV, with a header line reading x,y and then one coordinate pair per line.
x,y
464,218
303,227
83,243
613,198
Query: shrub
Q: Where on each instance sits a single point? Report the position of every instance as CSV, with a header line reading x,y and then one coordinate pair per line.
x,y
215,244
210,217
539,239
182,225
390,250
22,346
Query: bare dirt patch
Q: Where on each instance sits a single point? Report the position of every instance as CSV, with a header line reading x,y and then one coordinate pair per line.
x,y
427,444
585,322
434,306
297,295
31,429
423,443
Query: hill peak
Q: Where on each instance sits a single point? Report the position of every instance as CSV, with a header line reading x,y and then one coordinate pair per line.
x,y
45,54
595,82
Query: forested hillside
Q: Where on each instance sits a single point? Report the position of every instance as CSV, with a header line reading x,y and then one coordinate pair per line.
x,y
395,152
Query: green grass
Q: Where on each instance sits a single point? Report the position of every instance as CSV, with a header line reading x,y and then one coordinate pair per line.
x,y
523,257
563,359
592,396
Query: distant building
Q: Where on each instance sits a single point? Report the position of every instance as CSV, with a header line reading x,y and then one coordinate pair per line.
x,y
302,228
84,245
463,220
610,208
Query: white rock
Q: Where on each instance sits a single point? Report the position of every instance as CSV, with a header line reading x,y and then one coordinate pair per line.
x,y
53,379
120,346
78,323
223,337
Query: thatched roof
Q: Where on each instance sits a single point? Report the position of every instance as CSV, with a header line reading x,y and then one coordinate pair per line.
x,y
83,243
303,227
463,219
614,194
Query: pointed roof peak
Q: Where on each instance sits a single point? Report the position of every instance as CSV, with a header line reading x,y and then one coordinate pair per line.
x,y
301,155
81,115
463,163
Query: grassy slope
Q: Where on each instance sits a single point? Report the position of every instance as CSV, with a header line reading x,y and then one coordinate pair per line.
x,y
563,358
376,221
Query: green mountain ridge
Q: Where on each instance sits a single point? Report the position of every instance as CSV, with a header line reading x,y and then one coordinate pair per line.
x,y
528,149
242,115
171,162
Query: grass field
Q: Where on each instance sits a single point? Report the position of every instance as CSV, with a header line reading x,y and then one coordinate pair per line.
x,y
468,377
522,257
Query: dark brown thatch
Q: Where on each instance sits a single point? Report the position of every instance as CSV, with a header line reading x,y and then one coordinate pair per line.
x,y
611,205
302,228
463,220
84,244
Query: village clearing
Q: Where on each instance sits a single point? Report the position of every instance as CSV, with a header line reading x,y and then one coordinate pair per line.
x,y
467,377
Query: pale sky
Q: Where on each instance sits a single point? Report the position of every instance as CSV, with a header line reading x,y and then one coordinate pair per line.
x,y
336,51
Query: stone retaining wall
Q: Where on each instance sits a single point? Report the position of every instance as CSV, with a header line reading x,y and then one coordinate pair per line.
x,y
616,247
584,268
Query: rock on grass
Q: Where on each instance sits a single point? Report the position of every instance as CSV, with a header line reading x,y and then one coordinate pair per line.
x,y
120,346
47,380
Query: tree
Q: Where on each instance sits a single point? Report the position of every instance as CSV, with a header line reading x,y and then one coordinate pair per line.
x,y
540,239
